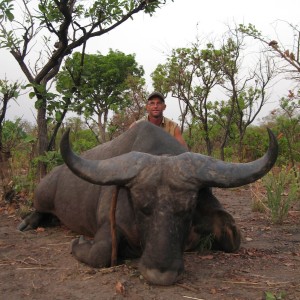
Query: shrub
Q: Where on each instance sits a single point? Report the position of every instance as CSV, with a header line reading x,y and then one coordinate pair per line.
x,y
282,191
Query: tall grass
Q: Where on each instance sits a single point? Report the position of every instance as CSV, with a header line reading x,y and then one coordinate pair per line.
x,y
282,190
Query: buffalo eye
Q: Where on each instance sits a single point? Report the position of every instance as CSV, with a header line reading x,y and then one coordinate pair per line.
x,y
184,214
146,210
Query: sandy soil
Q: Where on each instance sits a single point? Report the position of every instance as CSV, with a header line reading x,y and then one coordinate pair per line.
x,y
38,264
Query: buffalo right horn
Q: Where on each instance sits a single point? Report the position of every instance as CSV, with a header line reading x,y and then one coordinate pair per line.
x,y
118,170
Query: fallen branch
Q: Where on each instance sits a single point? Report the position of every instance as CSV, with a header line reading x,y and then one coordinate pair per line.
x,y
242,282
187,287
109,270
43,268
192,298
25,261
58,244
257,283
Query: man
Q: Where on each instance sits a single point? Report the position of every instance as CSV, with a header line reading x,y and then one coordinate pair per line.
x,y
155,107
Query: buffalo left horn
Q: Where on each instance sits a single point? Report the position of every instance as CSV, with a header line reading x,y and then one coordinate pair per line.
x,y
206,171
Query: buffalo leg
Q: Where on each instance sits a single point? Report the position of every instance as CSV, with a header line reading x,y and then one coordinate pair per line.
x,y
219,227
96,253
226,235
211,220
37,219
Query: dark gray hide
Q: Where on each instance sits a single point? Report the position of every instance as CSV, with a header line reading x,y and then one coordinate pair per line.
x,y
165,205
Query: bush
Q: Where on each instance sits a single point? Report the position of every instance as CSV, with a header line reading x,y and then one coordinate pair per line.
x,y
282,191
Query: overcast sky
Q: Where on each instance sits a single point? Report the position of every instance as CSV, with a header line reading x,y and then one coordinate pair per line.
x,y
175,25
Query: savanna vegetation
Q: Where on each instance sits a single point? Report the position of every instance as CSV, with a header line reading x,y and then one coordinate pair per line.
x,y
219,87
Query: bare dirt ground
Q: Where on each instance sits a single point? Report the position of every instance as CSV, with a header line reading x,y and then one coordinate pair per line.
x,y
38,264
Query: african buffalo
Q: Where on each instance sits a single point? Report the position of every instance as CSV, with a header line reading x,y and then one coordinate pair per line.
x,y
165,203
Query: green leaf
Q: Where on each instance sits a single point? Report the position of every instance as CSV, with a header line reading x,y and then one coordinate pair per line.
x,y
30,139
9,15
269,296
31,95
58,116
38,104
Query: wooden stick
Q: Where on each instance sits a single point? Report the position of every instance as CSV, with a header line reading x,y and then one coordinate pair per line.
x,y
114,246
192,298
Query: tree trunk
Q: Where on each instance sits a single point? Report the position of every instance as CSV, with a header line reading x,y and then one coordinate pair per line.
x,y
208,145
240,146
5,172
101,127
42,137
51,145
224,143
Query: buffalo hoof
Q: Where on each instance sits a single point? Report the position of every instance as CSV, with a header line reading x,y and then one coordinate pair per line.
x,y
82,240
94,254
227,236
36,219
77,241
30,222
23,226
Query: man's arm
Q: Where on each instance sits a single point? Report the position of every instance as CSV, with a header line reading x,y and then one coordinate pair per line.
x,y
179,137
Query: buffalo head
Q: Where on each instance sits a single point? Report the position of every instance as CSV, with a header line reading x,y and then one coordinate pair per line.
x,y
164,192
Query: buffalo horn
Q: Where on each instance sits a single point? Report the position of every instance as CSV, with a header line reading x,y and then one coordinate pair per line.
x,y
207,171
112,171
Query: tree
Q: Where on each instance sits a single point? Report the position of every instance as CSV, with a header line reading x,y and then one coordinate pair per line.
x,y
251,101
200,76
123,118
82,137
8,92
99,85
247,93
288,65
288,56
190,74
288,120
59,26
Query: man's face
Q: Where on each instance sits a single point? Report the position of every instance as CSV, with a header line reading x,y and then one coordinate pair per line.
x,y
155,107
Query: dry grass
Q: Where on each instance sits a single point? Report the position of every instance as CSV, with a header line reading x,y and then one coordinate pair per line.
x,y
258,196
